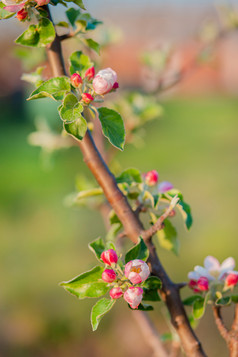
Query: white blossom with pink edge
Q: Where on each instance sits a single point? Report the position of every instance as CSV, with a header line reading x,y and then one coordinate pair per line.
x,y
13,6
133,296
212,269
104,81
137,271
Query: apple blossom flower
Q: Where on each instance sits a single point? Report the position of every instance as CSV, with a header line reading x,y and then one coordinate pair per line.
x,y
76,80
151,177
104,81
137,271
22,15
109,275
90,73
13,6
165,186
133,296
87,98
109,257
116,293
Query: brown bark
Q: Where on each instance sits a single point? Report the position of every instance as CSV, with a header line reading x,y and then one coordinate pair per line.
x,y
132,225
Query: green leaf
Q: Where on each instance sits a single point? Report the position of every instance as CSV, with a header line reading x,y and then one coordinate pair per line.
x,y
93,45
72,15
79,3
150,287
189,301
88,284
62,24
4,14
198,308
113,217
129,176
97,247
79,63
92,192
46,31
183,207
224,301
30,37
234,298
54,88
77,129
99,310
34,77
139,251
112,127
71,109
168,237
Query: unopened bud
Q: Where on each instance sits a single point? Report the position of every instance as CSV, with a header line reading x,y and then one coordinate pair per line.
x,y
90,73
76,80
231,279
151,177
133,296
203,283
42,2
109,275
87,98
22,15
116,293
109,256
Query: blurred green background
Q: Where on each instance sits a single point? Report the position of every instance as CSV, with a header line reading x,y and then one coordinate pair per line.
x,y
43,242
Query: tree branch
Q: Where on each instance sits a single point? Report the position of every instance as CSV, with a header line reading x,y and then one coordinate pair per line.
x,y
132,225
220,324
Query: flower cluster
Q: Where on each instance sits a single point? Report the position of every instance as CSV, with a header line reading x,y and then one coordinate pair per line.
x,y
22,8
213,274
125,283
91,86
152,178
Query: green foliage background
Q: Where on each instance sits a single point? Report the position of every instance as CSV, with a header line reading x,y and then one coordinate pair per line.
x,y
43,242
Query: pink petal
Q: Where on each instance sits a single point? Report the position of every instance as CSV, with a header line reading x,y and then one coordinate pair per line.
x,y
14,8
211,263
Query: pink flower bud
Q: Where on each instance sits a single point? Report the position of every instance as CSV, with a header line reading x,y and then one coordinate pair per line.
x,y
109,275
116,293
137,271
133,296
193,285
87,98
151,177
203,283
42,2
104,81
90,73
115,85
231,279
109,256
76,80
22,15
165,186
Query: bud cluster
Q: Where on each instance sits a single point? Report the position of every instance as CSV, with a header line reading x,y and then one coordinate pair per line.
x,y
22,8
213,276
125,283
90,86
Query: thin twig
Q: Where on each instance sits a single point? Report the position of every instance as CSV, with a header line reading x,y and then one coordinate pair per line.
x,y
220,324
159,223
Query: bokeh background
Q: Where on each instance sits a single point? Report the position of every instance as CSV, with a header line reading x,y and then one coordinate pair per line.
x,y
194,145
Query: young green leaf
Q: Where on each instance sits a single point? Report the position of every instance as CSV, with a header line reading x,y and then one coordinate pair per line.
x,y
93,45
30,37
112,127
143,307
189,301
168,237
99,310
234,298
77,129
198,308
129,176
79,63
71,109
224,301
72,15
97,247
79,3
46,31
88,284
139,251
54,88
150,287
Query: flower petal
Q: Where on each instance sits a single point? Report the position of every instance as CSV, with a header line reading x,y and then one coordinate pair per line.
x,y
193,275
228,264
211,263
203,272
